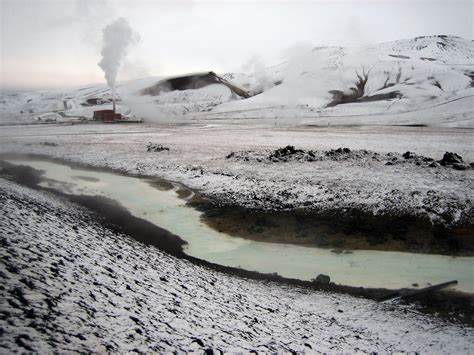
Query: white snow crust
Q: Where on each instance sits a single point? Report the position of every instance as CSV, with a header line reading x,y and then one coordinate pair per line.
x,y
69,284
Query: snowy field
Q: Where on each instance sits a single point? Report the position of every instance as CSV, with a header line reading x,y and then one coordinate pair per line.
x,y
198,159
81,287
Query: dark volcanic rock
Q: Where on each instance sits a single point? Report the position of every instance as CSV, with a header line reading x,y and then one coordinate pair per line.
x,y
338,151
285,152
450,159
460,166
153,147
454,161
322,279
22,340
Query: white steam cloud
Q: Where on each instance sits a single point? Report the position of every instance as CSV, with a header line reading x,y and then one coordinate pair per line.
x,y
256,67
117,37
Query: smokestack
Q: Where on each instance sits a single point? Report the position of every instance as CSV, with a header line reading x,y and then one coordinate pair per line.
x,y
117,37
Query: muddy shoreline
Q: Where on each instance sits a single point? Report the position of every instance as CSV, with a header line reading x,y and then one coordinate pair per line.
x,y
452,305
340,231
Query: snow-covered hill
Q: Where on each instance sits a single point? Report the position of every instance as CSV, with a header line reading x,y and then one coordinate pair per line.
x,y
393,77
421,77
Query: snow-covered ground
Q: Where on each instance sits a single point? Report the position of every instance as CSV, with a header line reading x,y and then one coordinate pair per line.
x,y
197,158
70,284
425,80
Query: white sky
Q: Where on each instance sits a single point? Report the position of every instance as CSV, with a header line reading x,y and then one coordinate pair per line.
x,y
56,43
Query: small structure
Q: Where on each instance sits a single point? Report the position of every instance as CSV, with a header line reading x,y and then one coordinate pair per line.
x,y
107,116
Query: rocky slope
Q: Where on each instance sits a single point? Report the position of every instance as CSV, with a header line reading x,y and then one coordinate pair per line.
x,y
71,284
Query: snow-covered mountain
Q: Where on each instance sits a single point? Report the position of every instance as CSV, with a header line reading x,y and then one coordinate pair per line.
x,y
425,80
391,77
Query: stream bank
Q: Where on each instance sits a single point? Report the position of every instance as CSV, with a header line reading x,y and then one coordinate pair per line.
x,y
338,230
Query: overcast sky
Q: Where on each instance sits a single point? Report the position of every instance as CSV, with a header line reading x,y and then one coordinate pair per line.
x,y
56,43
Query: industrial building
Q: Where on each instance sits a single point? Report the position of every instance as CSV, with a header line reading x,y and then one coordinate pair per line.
x,y
107,116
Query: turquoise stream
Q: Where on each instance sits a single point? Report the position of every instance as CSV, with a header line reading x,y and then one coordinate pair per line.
x,y
165,209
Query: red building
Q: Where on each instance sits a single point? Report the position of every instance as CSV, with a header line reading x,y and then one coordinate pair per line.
x,y
107,116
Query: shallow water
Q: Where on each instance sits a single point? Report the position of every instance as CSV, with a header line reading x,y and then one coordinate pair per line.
x,y
165,209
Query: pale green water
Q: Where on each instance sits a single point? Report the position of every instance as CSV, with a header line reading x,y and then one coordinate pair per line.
x,y
167,210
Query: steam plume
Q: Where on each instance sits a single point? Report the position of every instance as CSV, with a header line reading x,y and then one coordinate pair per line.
x,y
256,66
117,37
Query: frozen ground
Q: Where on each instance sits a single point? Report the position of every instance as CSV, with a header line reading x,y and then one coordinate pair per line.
x,y
197,158
70,284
